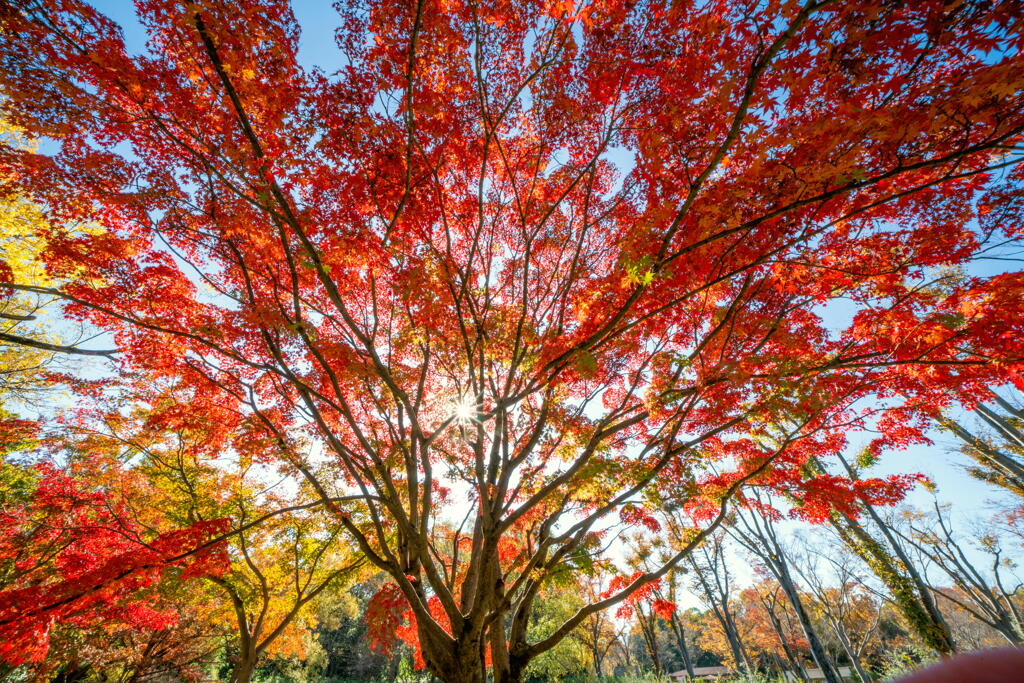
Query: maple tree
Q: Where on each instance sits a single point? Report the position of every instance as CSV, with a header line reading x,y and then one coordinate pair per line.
x,y
283,568
128,650
539,266
777,612
760,636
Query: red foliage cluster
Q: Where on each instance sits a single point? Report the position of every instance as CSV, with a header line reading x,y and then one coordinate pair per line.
x,y
390,620
636,515
74,554
647,592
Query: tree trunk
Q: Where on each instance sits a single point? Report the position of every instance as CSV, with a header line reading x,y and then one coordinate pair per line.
x,y
680,634
463,661
514,674
821,657
844,640
748,664
936,632
762,540
246,666
910,594
739,652
1008,630
1008,606
650,634
798,667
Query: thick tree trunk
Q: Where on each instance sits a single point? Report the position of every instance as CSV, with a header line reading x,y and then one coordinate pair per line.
x,y
471,672
467,677
245,668
461,661
514,674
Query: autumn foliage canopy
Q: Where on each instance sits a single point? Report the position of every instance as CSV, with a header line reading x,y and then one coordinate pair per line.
x,y
508,275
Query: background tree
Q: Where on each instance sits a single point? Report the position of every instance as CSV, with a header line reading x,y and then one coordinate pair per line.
x,y
281,570
784,624
73,539
669,591
570,660
755,530
986,595
889,561
128,652
599,633
999,452
759,634
284,553
844,603
342,635
714,582
29,344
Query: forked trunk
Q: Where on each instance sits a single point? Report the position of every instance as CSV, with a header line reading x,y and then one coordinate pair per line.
x,y
458,662
465,663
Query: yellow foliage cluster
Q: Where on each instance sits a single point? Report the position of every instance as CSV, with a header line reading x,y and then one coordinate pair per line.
x,y
21,243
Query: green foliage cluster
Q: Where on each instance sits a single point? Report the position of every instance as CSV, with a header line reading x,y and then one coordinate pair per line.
x,y
906,660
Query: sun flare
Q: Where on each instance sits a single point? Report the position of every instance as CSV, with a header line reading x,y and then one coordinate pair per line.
x,y
465,409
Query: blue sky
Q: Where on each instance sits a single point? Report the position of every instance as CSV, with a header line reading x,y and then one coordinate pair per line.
x,y
316,17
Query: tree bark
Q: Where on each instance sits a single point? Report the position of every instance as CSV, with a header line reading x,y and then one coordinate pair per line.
x,y
680,634
650,634
844,640
821,658
245,668
798,667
